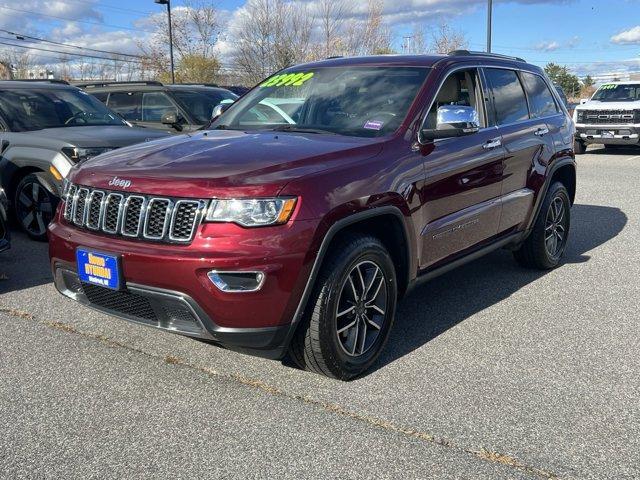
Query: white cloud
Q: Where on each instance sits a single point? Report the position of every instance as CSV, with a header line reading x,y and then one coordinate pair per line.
x,y
628,37
548,46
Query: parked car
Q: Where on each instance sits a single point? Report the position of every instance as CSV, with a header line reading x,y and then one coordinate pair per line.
x,y
5,237
610,118
45,129
174,108
298,233
237,89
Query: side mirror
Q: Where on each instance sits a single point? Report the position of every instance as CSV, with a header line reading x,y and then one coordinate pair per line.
x,y
219,110
583,101
170,117
453,121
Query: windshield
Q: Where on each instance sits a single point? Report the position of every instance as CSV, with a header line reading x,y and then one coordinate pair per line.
x,y
618,93
35,109
354,101
200,103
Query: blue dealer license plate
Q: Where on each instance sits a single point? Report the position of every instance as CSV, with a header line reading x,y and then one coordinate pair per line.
x,y
98,269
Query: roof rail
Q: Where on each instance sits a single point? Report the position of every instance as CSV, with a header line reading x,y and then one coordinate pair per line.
x,y
485,54
107,83
196,84
43,80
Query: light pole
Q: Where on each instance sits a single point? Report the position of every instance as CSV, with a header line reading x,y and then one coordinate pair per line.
x,y
489,14
168,4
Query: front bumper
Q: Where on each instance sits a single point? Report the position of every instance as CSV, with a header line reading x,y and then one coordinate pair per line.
x,y
622,134
166,286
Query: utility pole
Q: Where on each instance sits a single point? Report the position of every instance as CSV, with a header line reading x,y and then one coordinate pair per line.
x,y
168,4
489,15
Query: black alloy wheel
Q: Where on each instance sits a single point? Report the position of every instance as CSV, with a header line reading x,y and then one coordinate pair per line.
x,y
34,207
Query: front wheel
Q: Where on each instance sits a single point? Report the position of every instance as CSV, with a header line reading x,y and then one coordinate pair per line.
x,y
34,207
350,312
545,245
579,147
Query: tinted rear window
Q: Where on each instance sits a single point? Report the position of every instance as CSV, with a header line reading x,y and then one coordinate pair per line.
x,y
509,100
541,99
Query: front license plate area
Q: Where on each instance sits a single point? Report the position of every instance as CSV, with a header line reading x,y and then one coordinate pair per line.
x,y
608,133
99,268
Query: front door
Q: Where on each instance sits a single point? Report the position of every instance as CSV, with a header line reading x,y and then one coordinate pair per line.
x,y
461,195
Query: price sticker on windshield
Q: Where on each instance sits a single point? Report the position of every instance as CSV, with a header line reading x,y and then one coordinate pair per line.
x,y
288,80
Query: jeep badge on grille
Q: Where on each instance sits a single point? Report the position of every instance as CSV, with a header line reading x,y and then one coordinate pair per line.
x,y
119,182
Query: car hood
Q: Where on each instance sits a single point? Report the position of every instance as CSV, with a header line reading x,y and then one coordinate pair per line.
x,y
222,162
114,136
597,105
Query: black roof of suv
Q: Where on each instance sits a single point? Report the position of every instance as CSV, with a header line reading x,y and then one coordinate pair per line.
x,y
146,103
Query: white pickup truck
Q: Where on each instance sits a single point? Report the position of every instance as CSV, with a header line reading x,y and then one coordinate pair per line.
x,y
611,117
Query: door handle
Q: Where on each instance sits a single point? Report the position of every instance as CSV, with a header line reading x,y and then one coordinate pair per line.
x,y
541,132
493,143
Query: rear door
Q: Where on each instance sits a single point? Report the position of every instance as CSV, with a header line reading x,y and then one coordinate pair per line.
x,y
527,141
462,189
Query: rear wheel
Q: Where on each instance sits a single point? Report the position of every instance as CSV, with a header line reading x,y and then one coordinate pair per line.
x,y
350,312
545,246
34,207
579,147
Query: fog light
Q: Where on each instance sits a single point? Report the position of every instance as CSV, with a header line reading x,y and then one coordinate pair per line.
x,y
237,281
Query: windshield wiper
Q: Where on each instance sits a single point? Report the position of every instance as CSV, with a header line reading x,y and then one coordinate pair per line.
x,y
295,128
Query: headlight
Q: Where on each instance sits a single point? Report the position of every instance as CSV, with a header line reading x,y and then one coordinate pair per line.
x,y
81,154
252,212
578,116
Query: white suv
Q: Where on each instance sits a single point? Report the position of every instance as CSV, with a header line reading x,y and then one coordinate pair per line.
x,y
611,117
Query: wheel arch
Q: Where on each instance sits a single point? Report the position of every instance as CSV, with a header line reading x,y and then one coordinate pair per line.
x,y
563,170
566,174
386,224
15,175
357,222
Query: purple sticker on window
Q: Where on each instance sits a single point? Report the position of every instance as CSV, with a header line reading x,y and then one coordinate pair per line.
x,y
373,125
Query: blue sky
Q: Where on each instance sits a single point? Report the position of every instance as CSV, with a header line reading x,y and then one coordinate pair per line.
x,y
586,35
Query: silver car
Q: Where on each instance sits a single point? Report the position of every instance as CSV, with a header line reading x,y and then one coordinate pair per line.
x,y
45,129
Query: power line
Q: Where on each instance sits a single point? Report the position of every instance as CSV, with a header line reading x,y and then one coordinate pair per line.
x,y
110,7
28,47
88,22
22,36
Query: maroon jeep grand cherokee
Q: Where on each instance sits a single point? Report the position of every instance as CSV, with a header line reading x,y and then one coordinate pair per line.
x,y
320,198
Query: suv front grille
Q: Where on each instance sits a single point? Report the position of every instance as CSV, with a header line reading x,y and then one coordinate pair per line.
x,y
607,117
133,215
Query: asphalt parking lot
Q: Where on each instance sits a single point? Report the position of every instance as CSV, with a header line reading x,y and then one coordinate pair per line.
x,y
492,371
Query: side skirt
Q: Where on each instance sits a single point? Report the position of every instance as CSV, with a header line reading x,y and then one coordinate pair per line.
x,y
511,239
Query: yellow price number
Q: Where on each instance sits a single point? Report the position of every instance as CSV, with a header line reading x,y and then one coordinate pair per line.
x,y
288,80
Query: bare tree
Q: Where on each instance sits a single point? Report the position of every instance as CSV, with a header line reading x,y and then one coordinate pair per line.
x,y
196,28
20,62
6,73
331,14
270,35
415,43
445,39
371,36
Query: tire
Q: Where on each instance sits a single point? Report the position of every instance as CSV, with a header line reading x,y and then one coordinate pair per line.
x,y
329,341
543,249
34,207
579,147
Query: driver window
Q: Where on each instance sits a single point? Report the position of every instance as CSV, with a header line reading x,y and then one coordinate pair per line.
x,y
460,88
154,105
